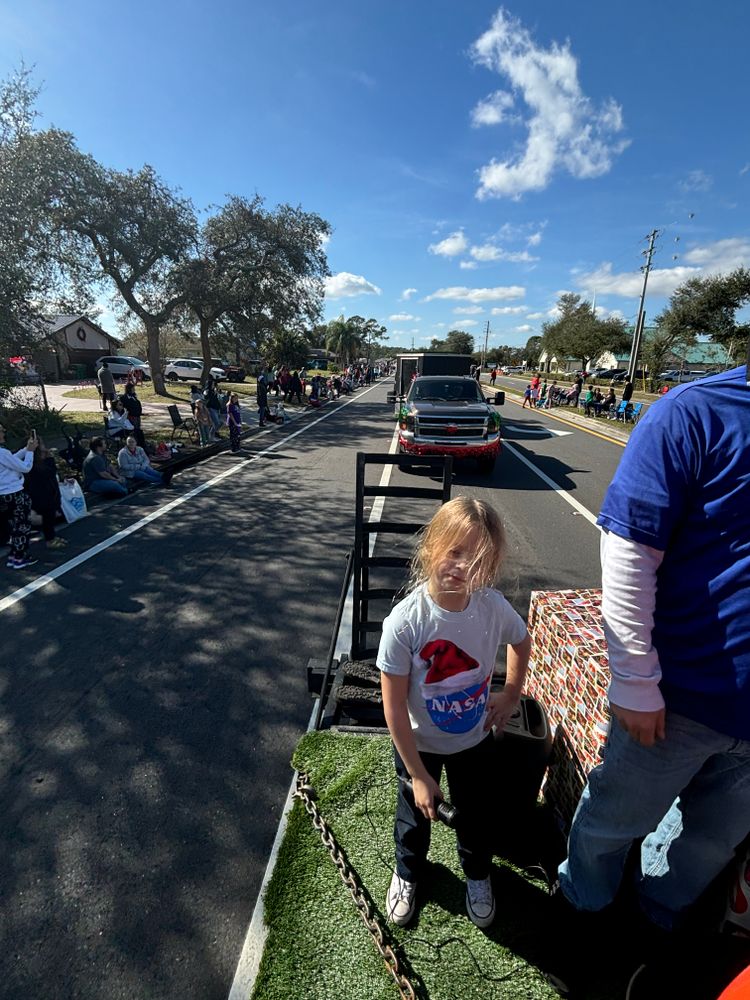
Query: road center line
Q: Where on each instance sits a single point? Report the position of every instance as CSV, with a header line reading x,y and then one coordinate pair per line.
x,y
43,581
552,484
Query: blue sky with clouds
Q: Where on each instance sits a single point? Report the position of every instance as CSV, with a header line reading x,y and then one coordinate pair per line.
x,y
473,160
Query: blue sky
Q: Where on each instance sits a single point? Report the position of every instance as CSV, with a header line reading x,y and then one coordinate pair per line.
x,y
473,160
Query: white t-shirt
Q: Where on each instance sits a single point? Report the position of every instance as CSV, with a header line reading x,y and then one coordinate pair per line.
x,y
449,657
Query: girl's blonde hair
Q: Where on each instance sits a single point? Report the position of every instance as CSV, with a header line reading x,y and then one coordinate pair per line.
x,y
453,522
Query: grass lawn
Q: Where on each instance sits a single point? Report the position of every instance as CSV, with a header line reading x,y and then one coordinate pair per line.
x,y
175,391
318,948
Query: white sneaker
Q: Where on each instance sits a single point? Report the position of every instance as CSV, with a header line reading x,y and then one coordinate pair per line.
x,y
401,900
480,901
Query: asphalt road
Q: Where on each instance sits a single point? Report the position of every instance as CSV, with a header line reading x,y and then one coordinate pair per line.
x,y
152,695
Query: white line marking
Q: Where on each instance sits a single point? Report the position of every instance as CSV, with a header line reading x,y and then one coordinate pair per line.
x,y
553,485
257,932
43,581
343,645
543,431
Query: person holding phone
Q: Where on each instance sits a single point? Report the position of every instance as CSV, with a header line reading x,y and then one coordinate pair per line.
x,y
15,503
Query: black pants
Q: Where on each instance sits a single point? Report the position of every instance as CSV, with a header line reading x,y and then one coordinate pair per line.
x,y
49,517
471,789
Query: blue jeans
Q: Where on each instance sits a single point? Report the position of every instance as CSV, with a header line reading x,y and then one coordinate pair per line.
x,y
108,487
689,796
147,476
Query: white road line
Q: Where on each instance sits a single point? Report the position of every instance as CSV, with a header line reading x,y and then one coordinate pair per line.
x,y
343,644
43,581
552,484
537,431
255,939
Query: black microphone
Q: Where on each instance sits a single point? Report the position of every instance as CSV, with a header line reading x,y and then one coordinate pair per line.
x,y
445,812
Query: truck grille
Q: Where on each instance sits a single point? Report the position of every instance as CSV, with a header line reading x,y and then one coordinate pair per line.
x,y
453,428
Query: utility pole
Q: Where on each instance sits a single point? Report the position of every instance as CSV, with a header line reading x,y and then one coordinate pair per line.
x,y
640,321
486,339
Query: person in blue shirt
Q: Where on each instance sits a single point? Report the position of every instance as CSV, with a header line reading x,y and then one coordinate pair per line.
x,y
676,606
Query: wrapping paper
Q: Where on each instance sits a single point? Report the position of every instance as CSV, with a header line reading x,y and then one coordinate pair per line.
x,y
569,675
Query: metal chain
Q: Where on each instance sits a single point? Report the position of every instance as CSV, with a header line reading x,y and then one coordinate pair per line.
x,y
306,794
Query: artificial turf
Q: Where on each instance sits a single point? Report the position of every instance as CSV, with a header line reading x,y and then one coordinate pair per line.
x,y
318,948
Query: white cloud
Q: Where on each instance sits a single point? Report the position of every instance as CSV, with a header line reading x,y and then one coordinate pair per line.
x,y
403,318
524,328
536,315
565,130
712,258
467,310
488,251
451,246
325,239
407,294
493,109
603,313
345,285
723,255
462,294
745,169
535,239
696,180
468,322
468,265
508,310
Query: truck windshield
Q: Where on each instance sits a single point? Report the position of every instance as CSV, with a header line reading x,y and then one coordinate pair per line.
x,y
446,391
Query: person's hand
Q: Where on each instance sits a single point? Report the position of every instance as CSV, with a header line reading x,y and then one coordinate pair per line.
x,y
426,790
643,727
32,444
501,706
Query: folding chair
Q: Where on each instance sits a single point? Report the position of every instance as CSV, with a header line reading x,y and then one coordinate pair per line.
x,y
620,411
185,424
635,413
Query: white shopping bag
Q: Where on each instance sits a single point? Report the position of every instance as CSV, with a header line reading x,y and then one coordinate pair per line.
x,y
72,500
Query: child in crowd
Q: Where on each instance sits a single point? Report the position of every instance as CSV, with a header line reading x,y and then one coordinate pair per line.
x,y
527,397
204,422
234,421
437,657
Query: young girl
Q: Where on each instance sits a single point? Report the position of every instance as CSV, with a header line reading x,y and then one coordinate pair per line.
x,y
204,422
234,421
437,657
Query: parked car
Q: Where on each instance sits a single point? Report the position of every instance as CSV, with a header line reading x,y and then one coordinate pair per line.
x,y
675,375
123,365
185,369
234,373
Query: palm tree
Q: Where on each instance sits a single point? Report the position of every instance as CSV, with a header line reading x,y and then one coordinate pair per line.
x,y
343,339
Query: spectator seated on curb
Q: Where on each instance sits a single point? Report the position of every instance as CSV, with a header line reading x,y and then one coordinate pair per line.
x,y
609,403
136,468
118,422
98,475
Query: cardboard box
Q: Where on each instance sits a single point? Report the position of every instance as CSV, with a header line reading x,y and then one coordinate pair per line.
x,y
569,675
